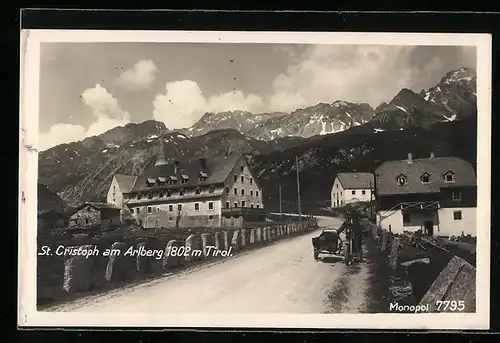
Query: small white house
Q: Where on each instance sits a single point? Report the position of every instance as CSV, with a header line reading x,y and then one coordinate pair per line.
x,y
352,187
119,185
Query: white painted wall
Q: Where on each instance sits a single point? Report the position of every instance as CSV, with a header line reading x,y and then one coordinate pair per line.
x,y
448,226
340,196
392,220
417,220
115,195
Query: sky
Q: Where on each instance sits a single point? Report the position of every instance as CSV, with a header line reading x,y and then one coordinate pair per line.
x,y
89,88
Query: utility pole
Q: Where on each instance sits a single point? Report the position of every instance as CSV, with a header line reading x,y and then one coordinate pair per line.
x,y
298,186
281,212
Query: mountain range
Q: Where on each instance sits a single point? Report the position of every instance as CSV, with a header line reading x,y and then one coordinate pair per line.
x,y
327,138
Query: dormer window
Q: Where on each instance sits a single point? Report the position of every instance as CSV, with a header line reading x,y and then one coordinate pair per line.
x,y
198,190
401,180
139,196
172,180
211,189
181,192
449,176
150,196
169,193
160,195
150,182
425,178
203,176
161,180
185,178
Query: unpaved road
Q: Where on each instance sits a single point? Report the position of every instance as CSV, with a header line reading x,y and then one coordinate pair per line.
x,y
280,278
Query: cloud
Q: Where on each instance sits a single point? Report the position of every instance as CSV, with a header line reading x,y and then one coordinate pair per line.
x,y
106,113
183,104
140,76
60,134
361,73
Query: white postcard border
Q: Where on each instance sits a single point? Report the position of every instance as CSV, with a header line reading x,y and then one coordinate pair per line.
x,y
29,102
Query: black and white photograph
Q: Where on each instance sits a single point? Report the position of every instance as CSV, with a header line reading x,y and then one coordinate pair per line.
x,y
254,179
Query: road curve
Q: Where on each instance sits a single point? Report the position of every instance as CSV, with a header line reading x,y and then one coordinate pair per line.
x,y
280,278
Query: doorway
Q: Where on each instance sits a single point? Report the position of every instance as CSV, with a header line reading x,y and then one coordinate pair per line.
x,y
428,228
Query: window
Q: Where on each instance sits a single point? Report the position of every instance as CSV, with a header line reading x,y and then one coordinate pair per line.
x,y
457,196
170,219
131,210
157,209
169,193
401,180
210,217
256,193
198,190
150,196
251,205
86,221
170,208
210,205
179,207
181,192
340,193
243,204
139,196
235,178
449,176
138,210
251,180
227,190
258,206
196,207
406,217
457,215
235,191
236,204
363,192
425,178
157,223
211,190
251,193
242,191
242,178
353,192
242,168
227,204
160,195
149,209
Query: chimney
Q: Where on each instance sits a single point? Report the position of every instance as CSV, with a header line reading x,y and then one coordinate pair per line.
x,y
203,164
409,158
176,167
160,158
431,154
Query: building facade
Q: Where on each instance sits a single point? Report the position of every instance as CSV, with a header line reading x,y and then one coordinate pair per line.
x,y
94,214
219,191
437,195
352,187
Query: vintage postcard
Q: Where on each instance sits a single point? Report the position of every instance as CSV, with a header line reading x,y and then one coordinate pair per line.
x,y
254,180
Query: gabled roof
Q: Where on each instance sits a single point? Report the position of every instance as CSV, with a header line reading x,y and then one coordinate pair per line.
x,y
126,182
356,180
217,169
436,167
97,206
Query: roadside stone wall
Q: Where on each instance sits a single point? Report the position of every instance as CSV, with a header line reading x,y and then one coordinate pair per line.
x,y
128,261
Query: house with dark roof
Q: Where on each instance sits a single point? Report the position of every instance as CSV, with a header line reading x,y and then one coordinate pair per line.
x,y
437,195
217,191
352,187
92,215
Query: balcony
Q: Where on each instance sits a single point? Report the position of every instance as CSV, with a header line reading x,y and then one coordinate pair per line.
x,y
420,205
242,211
